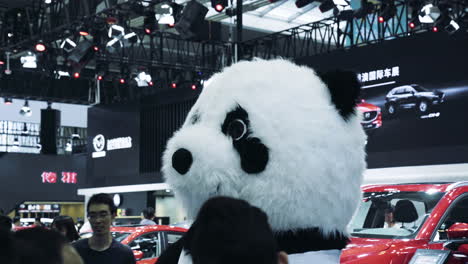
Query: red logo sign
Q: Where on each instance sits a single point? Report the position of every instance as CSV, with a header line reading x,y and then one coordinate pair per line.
x,y
67,177
49,177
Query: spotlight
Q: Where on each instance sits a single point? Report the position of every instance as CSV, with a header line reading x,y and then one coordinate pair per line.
x,y
122,80
190,24
173,85
412,25
167,13
435,29
429,14
96,48
387,12
219,5
7,100
29,61
99,77
47,1
142,79
26,110
40,47
76,75
194,86
68,45
366,8
151,83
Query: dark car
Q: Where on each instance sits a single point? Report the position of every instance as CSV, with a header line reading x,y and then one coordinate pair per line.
x,y
412,96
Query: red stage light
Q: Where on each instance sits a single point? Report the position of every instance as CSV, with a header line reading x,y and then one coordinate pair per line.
x,y
194,87
40,47
381,19
2,62
171,25
96,48
147,31
76,75
99,78
151,83
435,29
122,80
412,25
173,85
84,33
219,7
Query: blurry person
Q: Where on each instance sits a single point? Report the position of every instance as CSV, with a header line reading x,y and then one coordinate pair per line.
x,y
227,231
389,219
37,222
5,223
43,246
147,216
101,248
65,225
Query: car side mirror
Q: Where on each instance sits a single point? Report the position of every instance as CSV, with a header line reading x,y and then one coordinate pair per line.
x,y
138,254
458,231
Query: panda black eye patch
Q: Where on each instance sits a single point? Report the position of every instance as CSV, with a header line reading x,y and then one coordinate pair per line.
x,y
236,124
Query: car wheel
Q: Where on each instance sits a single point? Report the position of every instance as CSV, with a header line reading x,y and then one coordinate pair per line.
x,y
423,106
391,109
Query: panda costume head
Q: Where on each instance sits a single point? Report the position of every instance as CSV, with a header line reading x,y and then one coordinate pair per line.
x,y
281,137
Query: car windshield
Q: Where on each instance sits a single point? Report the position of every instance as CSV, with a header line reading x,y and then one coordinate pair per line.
x,y
419,88
393,214
118,236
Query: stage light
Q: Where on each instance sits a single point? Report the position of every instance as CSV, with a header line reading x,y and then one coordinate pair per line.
x,y
174,85
435,29
142,79
166,13
412,25
429,14
122,80
76,75
40,47
151,83
48,1
68,45
366,8
84,33
387,12
99,78
26,110
219,5
29,61
194,86
2,62
190,24
96,48
7,100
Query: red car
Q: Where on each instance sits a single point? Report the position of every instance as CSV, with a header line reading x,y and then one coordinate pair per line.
x,y
371,115
393,221
147,242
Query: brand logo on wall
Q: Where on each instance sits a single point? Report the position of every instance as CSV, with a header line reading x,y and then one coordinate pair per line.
x,y
99,144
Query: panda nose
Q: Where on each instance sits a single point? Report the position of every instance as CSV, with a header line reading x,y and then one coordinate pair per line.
x,y
182,160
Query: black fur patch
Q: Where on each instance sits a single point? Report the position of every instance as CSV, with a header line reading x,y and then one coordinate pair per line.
x,y
253,153
195,118
310,239
344,89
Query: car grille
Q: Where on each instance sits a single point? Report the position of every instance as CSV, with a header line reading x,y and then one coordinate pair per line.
x,y
369,116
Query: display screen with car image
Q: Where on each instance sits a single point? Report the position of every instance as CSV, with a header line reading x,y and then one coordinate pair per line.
x,y
414,97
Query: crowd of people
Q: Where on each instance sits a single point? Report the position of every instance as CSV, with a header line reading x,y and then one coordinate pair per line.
x,y
207,239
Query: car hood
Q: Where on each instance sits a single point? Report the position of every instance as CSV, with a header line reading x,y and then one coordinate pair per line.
x,y
365,107
361,247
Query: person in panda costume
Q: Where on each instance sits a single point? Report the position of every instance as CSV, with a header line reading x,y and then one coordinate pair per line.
x,y
283,138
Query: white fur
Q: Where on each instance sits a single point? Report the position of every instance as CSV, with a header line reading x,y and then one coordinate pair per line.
x,y
316,159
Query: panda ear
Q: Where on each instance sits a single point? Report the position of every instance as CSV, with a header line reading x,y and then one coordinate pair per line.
x,y
344,90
